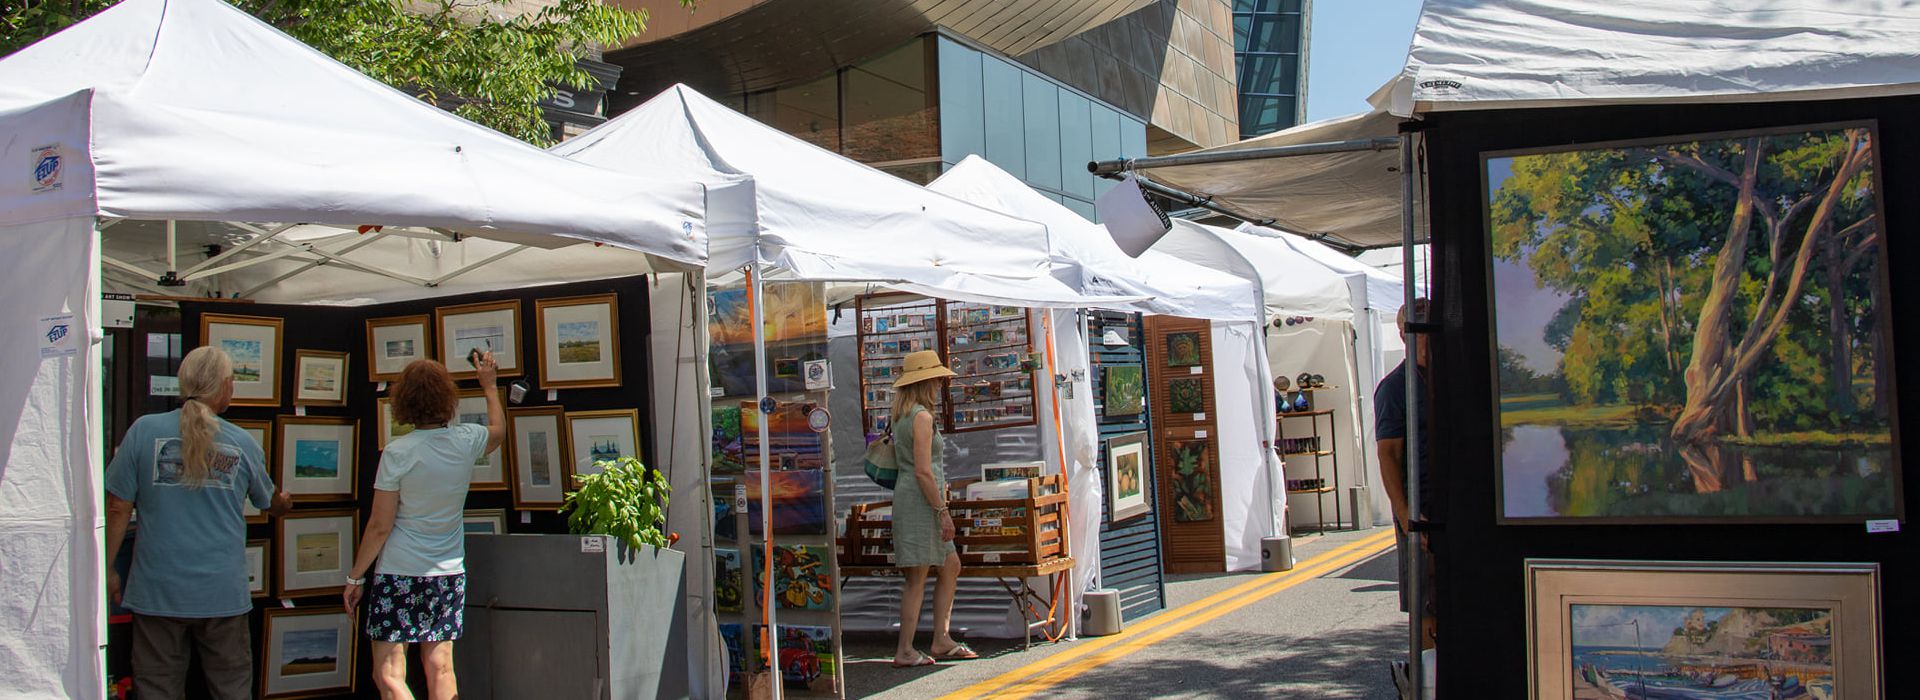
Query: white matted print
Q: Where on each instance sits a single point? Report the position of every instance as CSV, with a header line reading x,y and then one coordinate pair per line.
x,y
257,568
579,341
315,551
393,343
318,458
253,343
319,378
490,470
601,436
490,327
540,452
307,652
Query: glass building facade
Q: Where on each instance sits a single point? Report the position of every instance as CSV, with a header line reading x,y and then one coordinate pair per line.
x,y
1269,49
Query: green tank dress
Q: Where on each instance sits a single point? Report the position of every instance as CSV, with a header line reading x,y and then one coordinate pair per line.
x,y
916,528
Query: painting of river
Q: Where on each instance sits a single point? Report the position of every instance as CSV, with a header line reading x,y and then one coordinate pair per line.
x,y
1694,331
1652,652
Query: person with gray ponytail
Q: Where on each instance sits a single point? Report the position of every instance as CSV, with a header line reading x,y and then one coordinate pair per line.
x,y
188,472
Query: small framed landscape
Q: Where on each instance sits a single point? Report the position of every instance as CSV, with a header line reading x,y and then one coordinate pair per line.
x,y
579,341
1124,390
315,549
262,433
319,378
602,435
489,326
490,470
259,553
253,343
387,426
307,652
394,342
484,521
1625,629
1127,476
539,448
318,458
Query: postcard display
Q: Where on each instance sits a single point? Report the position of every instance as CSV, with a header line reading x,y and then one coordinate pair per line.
x,y
316,386
987,347
806,577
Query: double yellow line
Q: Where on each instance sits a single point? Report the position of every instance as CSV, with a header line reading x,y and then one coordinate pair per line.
x,y
1048,672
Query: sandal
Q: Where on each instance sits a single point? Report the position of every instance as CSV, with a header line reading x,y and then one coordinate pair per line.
x,y
959,652
918,661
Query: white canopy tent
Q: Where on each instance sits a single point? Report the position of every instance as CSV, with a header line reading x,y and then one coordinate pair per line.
x,y
130,115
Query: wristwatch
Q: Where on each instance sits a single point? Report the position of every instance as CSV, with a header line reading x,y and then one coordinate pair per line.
x,y
351,581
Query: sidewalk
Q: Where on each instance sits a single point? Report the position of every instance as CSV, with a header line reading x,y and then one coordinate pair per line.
x,y
1316,634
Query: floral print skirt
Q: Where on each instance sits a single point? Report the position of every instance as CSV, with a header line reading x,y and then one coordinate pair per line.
x,y
412,609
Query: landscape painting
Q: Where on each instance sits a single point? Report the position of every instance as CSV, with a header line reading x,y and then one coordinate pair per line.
x,y
246,358
316,459
1648,652
795,319
1694,330
316,552
580,342
309,651
727,457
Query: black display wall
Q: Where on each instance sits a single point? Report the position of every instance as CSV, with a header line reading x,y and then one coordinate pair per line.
x,y
343,329
1482,637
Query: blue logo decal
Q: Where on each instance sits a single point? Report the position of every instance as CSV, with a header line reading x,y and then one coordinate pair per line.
x,y
57,332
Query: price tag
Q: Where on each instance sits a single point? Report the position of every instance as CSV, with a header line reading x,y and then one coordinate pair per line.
x,y
299,410
1879,526
1199,416
1198,434
990,557
1194,370
382,386
740,498
286,603
553,395
592,545
526,518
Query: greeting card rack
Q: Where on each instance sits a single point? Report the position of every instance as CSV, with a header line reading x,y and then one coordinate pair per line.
x,y
986,346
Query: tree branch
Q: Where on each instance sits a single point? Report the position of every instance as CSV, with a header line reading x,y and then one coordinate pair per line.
x,y
1692,162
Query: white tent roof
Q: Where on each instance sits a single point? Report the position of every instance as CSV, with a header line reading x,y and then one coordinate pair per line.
x,y
194,110
1482,54
1087,258
1384,290
821,216
1292,283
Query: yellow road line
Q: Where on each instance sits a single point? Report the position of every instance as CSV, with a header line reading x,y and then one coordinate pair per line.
x,y
1050,671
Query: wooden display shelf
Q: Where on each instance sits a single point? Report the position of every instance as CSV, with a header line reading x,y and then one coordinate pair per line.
x,y
1313,453
1305,414
1323,489
1034,523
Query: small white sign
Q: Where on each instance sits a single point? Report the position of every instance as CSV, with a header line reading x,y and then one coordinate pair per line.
x,y
553,395
299,410
715,392
286,602
57,336
1879,526
526,518
1196,369
160,385
116,310
593,545
817,374
1199,416
381,387
1198,434
740,498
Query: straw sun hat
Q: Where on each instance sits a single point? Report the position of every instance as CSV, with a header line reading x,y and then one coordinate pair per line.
x,y
921,366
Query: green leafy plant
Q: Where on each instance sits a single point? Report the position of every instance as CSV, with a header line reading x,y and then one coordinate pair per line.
x,y
627,500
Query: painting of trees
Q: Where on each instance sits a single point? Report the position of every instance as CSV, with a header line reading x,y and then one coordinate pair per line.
x,y
1728,291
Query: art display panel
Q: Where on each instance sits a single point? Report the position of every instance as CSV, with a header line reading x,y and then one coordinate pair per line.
x,y
492,326
315,549
1693,329
253,344
795,316
395,342
1127,476
319,458
307,652
579,341
539,448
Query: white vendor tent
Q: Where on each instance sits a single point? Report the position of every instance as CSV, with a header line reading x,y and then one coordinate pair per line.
x,y
131,115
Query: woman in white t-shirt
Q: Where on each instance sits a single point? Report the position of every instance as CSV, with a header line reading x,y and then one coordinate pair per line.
x,y
415,544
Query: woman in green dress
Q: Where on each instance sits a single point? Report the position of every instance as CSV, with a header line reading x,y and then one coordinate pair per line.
x,y
922,527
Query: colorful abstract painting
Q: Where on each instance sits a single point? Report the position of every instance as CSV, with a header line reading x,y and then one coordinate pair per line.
x,y
803,577
1192,480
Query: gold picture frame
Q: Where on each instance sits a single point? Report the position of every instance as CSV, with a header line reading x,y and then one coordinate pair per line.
x,y
597,435
491,325
311,384
253,344
323,661
322,464
262,432
259,567
494,476
394,342
529,456
311,563
579,341
385,426
494,521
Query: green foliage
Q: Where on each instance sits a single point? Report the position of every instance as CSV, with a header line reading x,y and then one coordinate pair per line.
x,y
626,499
474,57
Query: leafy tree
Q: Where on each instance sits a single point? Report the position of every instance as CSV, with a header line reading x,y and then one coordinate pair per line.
x,y
486,60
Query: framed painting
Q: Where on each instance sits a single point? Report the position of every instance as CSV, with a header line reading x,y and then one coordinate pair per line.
x,y
394,342
1192,480
599,436
319,378
1124,390
728,455
258,553
1183,349
539,447
307,652
490,470
484,521
1186,396
799,502
579,341
389,428
253,343
1666,356
318,458
492,326
262,433
315,549
1624,629
729,581
1127,476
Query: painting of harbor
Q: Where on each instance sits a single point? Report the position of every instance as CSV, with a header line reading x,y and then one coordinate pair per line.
x,y
1653,652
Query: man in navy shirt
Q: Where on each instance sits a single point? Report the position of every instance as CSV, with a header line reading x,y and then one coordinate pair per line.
x,y
1390,436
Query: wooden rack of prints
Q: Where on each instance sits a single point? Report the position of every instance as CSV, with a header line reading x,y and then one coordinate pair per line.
x,y
996,523
987,347
888,333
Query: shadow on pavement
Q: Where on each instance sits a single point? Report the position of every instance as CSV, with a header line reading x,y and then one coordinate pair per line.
x,y
869,668
1345,664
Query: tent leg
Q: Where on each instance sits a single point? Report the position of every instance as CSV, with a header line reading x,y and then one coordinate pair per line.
x,y
1416,670
764,405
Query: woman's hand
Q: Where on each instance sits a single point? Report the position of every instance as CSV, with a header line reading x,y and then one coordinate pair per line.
x,y
113,586
351,596
487,371
946,525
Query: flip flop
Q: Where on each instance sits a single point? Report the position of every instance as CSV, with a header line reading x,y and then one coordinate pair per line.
x,y
959,652
919,660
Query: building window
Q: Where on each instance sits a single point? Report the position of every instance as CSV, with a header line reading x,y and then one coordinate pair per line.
x,y
877,111
1269,40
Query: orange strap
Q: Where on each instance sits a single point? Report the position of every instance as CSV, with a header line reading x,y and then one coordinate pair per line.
x,y
1063,581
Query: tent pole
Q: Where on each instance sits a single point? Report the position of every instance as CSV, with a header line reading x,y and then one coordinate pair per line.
x,y
364,241
264,236
114,262
437,281
171,278
1416,671
756,305
1102,167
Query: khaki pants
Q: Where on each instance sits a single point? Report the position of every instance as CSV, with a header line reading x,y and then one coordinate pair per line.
x,y
164,646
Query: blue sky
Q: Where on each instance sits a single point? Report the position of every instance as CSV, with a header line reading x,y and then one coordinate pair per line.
x,y
1357,45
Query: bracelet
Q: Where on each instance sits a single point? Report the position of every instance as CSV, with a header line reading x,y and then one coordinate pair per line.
x,y
351,581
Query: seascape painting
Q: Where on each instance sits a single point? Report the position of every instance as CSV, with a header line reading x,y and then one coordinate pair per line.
x,y
1694,330
316,552
482,338
604,448
316,459
1654,652
400,349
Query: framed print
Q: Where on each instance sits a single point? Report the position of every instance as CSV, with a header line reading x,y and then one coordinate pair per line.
x,y
539,448
1192,480
490,470
315,549
492,326
318,458
1124,391
259,552
1666,356
1183,349
602,435
394,342
579,341
307,652
388,427
1625,629
1186,395
253,343
484,521
1127,476
262,433
319,378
